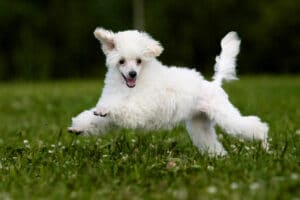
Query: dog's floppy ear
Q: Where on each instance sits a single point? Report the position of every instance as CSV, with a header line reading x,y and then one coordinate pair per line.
x,y
106,39
153,47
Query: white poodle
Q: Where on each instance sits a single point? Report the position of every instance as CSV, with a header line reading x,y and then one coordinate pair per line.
x,y
140,92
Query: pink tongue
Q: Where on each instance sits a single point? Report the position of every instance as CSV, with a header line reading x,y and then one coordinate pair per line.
x,y
131,82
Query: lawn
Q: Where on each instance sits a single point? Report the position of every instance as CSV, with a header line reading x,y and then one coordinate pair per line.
x,y
40,160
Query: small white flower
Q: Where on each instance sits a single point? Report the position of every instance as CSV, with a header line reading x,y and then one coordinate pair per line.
x,y
297,132
59,143
210,168
104,156
50,151
133,140
247,148
234,185
77,142
254,186
171,165
53,145
125,157
241,140
25,141
212,189
294,176
270,152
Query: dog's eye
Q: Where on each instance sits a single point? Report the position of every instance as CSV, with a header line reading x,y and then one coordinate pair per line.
x,y
122,61
138,61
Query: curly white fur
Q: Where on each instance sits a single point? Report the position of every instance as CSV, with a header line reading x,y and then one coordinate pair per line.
x,y
162,97
225,62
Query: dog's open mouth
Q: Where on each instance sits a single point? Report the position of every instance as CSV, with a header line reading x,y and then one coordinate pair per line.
x,y
130,82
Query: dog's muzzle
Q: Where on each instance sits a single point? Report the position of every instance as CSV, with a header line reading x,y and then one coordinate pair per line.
x,y
131,79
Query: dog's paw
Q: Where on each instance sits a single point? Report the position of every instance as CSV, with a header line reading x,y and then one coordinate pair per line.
x,y
74,130
259,130
103,112
265,145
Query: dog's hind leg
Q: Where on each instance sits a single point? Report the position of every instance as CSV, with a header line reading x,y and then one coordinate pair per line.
x,y
229,118
88,123
202,132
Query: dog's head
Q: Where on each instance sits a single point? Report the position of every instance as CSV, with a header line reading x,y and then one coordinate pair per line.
x,y
128,51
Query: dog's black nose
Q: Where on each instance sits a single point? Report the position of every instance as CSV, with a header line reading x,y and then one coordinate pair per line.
x,y
132,74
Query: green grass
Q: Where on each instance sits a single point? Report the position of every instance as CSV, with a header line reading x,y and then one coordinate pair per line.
x,y
40,160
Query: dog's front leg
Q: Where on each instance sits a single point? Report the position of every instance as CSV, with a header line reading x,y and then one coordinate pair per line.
x,y
101,111
87,123
105,106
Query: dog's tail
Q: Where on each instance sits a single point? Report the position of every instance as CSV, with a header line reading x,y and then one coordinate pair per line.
x,y
226,61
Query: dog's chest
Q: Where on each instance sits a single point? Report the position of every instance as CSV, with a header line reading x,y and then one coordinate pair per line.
x,y
153,109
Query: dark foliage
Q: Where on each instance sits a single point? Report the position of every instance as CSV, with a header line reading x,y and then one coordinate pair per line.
x,y
53,38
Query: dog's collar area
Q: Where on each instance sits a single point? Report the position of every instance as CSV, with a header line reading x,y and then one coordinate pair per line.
x,y
129,81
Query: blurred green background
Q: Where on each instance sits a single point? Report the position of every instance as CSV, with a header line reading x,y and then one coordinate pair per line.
x,y
52,39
